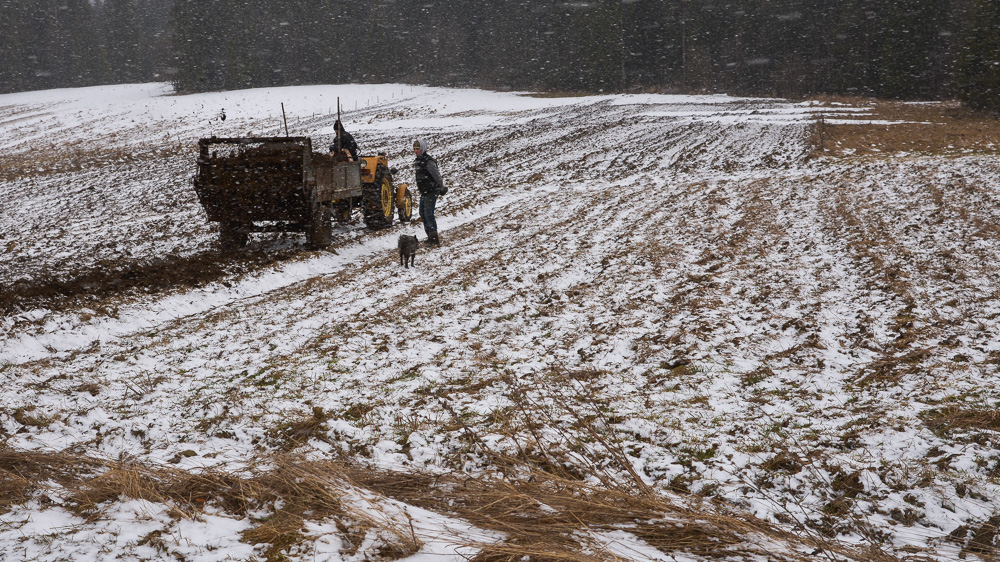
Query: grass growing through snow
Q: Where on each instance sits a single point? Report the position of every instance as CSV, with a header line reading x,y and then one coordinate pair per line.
x,y
534,511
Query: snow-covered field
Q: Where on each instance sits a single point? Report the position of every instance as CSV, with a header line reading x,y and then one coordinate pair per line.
x,y
661,291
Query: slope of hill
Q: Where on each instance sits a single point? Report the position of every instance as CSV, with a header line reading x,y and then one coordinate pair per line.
x,y
659,329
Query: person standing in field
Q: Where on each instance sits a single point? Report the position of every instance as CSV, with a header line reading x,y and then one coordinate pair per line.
x,y
431,186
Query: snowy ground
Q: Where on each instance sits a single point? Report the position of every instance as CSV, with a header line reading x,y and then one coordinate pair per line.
x,y
665,285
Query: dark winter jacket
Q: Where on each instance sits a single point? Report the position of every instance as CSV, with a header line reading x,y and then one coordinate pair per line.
x,y
346,140
428,177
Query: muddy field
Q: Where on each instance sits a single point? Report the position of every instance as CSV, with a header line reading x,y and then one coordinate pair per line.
x,y
681,307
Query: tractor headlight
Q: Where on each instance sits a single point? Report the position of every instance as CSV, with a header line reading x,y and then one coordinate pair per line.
x,y
364,163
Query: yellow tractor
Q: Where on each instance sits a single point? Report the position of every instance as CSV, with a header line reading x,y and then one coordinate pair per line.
x,y
379,199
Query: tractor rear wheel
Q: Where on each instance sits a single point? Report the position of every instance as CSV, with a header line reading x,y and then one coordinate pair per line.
x,y
406,209
378,201
321,227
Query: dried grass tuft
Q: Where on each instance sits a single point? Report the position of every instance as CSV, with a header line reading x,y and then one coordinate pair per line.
x,y
985,538
14,489
548,518
890,369
281,532
40,467
121,481
955,418
231,493
293,434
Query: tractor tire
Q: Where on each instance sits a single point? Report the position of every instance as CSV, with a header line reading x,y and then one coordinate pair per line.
x,y
406,209
320,230
378,201
232,235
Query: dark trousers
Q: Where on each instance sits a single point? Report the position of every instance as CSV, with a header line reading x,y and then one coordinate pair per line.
x,y
427,203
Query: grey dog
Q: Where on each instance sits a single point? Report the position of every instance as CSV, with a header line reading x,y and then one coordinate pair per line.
x,y
407,249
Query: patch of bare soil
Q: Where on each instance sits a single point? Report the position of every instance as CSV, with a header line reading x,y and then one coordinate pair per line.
x,y
62,159
115,278
893,127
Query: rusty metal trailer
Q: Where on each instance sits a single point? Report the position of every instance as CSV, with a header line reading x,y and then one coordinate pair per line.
x,y
274,184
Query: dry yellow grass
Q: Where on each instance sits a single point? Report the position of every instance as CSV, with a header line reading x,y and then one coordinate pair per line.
x,y
926,128
542,516
956,418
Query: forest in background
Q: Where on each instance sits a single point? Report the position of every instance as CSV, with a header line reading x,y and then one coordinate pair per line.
x,y
897,49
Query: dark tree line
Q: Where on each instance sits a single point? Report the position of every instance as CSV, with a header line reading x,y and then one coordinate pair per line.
x,y
68,43
904,49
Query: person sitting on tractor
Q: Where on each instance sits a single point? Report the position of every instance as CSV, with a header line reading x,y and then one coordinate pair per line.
x,y
345,140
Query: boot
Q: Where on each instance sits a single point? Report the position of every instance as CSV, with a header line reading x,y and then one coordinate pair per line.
x,y
432,238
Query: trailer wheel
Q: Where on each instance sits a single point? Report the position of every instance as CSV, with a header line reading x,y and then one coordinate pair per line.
x,y
342,212
321,227
379,202
406,209
232,235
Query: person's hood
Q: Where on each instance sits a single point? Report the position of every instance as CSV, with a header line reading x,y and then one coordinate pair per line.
x,y
423,146
338,126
